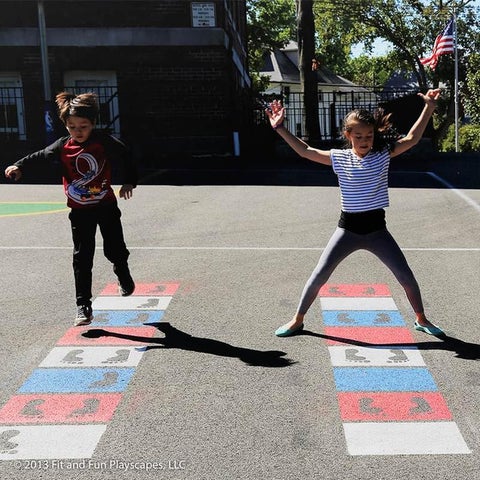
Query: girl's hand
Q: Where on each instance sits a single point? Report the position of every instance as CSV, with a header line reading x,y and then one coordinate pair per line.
x,y
276,114
126,191
13,173
431,97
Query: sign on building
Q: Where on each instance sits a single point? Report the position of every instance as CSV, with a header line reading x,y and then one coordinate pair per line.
x,y
203,14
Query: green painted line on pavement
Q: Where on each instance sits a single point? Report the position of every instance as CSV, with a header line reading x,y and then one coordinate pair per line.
x,y
10,209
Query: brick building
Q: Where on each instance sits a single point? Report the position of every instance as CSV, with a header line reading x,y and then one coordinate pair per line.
x,y
171,75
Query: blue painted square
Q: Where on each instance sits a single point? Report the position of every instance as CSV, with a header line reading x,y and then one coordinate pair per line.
x,y
126,318
377,379
363,318
78,380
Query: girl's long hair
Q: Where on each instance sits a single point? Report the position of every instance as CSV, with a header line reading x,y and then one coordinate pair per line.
x,y
384,135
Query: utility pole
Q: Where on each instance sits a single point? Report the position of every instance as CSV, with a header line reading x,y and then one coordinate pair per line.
x,y
47,92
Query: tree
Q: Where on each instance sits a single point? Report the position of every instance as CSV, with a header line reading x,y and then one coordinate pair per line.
x,y
368,71
411,26
270,24
308,74
472,88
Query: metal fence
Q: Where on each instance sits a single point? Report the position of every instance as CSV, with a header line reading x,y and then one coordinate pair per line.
x,y
333,106
12,113
109,115
12,110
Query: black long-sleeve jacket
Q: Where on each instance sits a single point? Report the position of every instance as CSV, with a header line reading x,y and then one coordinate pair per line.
x,y
87,167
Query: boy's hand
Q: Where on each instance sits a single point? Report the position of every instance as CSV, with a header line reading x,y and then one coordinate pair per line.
x,y
126,191
13,173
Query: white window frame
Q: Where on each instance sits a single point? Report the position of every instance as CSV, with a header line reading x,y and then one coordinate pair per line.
x,y
86,80
13,81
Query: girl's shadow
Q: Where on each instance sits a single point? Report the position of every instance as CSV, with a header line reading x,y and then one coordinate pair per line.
x,y
175,338
464,350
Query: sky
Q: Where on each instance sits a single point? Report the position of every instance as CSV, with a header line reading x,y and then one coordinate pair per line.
x,y
380,48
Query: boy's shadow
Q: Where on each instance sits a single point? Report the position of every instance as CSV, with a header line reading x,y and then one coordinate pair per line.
x,y
175,338
464,350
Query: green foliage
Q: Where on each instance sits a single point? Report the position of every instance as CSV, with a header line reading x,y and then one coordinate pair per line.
x,y
468,139
270,24
371,71
411,26
334,37
471,98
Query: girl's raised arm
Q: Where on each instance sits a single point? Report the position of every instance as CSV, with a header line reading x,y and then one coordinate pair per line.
x,y
276,115
416,132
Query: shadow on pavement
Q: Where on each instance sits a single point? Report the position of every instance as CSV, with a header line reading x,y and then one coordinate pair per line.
x,y
175,338
464,350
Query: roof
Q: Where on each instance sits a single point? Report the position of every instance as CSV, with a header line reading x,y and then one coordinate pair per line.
x,y
281,66
402,80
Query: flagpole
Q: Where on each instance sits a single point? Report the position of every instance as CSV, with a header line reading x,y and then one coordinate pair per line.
x,y
456,77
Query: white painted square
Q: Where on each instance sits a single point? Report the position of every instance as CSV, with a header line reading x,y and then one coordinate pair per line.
x,y
49,441
353,356
389,438
130,303
79,356
357,303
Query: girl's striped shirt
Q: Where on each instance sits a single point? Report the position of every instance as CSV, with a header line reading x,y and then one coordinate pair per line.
x,y
363,181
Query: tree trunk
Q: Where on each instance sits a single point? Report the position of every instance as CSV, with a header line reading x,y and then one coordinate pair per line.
x,y
308,76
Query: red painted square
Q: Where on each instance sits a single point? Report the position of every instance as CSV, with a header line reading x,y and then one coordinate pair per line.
x,y
107,336
393,406
355,290
44,408
145,289
368,336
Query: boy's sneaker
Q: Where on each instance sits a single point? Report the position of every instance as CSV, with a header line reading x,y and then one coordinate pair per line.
x,y
84,315
126,285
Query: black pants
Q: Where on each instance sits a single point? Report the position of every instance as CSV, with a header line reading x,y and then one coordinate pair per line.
x,y
84,226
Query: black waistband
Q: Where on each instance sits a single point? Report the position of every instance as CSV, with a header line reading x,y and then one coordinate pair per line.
x,y
363,222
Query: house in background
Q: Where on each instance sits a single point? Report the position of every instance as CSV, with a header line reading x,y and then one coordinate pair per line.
x,y
401,81
336,95
171,75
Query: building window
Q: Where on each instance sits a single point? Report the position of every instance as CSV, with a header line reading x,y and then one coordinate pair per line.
x,y
12,120
104,84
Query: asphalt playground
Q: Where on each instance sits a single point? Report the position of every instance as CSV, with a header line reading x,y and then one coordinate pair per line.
x,y
186,380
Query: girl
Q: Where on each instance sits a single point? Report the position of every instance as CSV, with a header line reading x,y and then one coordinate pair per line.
x,y
362,171
87,157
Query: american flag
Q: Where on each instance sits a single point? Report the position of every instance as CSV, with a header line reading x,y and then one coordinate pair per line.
x,y
444,43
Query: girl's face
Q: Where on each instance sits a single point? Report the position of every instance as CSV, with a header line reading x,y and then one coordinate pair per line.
x,y
360,137
79,128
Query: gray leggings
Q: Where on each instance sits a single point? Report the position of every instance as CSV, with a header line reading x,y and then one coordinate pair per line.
x,y
343,243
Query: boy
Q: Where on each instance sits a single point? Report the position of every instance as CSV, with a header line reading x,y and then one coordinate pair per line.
x,y
87,157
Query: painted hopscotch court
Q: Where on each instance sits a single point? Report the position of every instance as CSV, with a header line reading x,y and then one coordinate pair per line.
x,y
63,408
388,400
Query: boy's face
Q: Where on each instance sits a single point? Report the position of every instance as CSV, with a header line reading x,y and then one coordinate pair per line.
x,y
79,128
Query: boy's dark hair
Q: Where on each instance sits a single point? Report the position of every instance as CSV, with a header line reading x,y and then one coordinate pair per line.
x,y
83,105
384,134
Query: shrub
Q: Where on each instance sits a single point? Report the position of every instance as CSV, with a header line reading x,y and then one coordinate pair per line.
x,y
468,139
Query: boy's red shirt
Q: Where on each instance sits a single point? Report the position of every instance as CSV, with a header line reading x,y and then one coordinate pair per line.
x,y
87,174
87,168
